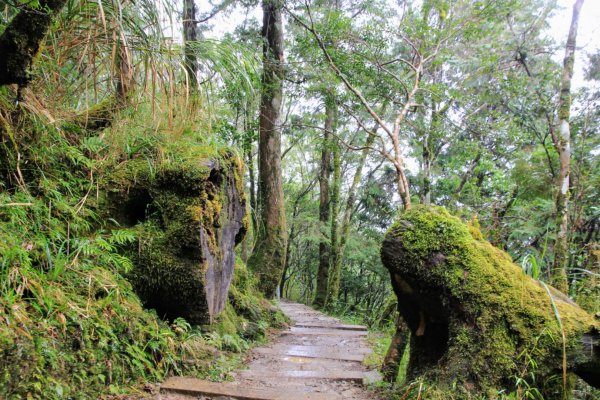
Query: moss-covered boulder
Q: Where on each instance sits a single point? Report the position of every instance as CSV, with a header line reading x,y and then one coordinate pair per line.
x,y
478,323
189,212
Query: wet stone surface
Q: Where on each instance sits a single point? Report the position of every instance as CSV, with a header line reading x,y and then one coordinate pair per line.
x,y
317,358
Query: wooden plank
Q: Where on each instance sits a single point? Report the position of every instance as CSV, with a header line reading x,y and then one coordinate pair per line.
x,y
198,387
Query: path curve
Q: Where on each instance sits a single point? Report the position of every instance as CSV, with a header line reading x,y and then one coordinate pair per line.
x,y
317,358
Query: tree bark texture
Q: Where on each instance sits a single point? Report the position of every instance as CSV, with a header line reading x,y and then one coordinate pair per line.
x,y
268,258
324,208
189,39
123,72
335,253
20,42
344,229
561,245
473,314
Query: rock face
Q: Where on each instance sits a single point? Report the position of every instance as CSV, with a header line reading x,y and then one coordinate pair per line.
x,y
189,215
476,320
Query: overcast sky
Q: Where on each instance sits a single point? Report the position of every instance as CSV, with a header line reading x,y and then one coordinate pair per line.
x,y
588,34
588,38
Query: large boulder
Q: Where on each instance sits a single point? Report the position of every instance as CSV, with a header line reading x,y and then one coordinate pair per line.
x,y
189,214
478,323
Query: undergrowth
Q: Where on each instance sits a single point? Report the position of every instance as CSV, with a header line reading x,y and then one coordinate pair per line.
x,y
70,324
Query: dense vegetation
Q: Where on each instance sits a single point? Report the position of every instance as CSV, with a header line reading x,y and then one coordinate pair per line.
x,y
328,122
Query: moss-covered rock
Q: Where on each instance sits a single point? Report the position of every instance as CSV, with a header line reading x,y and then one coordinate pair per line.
x,y
190,212
477,320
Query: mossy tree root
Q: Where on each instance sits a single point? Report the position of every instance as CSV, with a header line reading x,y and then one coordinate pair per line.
x,y
476,319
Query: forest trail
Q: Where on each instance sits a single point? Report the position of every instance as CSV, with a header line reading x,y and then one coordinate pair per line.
x,y
318,357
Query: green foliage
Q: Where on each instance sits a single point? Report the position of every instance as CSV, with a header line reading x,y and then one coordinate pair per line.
x,y
72,325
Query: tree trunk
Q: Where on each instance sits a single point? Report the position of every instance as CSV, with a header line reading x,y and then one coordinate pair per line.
x,y
324,207
248,141
426,192
288,247
473,313
344,230
561,247
189,39
268,259
428,151
335,256
287,258
20,41
124,72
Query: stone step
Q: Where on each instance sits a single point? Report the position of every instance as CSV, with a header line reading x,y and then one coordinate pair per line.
x,y
332,375
217,390
326,352
322,332
331,326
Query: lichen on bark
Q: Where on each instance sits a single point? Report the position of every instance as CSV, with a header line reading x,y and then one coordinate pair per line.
x,y
474,314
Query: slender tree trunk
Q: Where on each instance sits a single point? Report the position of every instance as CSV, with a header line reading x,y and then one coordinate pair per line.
x,y
124,72
403,190
248,141
344,230
559,271
426,193
287,256
189,39
268,259
335,257
428,153
324,207
247,147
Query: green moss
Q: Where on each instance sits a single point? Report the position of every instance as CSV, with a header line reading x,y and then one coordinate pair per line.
x,y
495,312
181,202
268,258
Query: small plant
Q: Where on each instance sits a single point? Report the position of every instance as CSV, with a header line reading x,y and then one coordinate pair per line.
x,y
533,265
525,378
227,342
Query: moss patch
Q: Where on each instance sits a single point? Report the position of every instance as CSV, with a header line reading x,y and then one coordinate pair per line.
x,y
473,312
189,212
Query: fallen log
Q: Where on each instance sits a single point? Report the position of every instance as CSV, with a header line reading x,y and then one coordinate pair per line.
x,y
478,323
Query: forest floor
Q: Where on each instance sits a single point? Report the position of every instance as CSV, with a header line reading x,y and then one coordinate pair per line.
x,y
318,357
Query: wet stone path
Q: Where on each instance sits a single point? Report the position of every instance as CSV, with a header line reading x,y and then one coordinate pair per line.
x,y
318,357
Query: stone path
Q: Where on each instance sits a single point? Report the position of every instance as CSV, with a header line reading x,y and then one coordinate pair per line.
x,y
317,358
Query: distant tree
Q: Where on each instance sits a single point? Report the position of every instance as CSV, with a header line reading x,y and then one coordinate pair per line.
x,y
563,146
268,258
189,39
325,206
